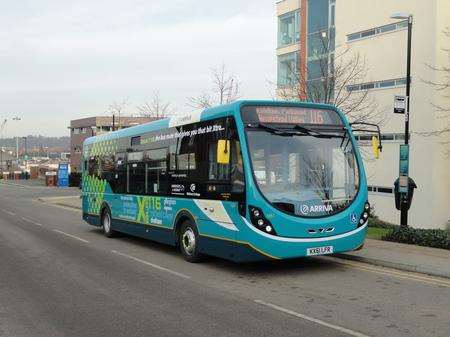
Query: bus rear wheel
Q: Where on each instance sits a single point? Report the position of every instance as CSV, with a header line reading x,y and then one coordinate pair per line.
x,y
189,242
106,222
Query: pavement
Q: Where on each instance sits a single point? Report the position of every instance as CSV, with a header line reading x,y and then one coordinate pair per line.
x,y
62,277
431,261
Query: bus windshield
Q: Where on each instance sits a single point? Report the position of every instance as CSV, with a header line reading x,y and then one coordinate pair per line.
x,y
305,169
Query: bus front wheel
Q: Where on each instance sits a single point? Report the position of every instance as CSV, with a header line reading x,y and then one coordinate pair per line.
x,y
189,240
107,223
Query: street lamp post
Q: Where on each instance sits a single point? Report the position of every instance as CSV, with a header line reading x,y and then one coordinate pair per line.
x,y
26,152
409,17
2,126
17,119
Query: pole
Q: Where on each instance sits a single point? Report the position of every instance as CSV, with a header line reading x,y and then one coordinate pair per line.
x,y
408,78
404,209
17,119
114,122
1,146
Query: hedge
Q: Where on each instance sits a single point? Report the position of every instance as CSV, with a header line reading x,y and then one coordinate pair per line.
x,y
374,221
436,238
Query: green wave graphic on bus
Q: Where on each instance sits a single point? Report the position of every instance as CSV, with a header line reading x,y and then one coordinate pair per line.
x,y
95,191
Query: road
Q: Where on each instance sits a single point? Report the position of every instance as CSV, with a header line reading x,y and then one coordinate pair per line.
x,y
61,277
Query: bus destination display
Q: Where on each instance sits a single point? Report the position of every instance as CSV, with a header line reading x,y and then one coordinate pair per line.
x,y
295,115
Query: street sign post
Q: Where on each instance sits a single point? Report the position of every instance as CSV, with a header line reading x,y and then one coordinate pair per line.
x,y
400,105
404,169
63,175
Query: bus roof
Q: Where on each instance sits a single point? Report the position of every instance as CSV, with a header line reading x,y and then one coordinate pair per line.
x,y
197,116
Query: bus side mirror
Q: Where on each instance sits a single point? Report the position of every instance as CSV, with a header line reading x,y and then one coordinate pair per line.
x,y
376,147
223,151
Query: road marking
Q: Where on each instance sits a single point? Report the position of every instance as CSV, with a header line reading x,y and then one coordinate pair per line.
x,y
311,319
71,236
51,204
151,265
32,221
8,212
394,273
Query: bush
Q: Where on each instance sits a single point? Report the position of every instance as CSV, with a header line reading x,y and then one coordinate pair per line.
x,y
374,221
436,238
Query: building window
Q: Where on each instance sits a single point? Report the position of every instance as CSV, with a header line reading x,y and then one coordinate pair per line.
x,y
76,131
288,69
391,83
318,44
378,30
318,15
380,189
391,137
289,28
318,68
321,45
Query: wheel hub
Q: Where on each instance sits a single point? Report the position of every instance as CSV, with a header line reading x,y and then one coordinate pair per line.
x,y
106,223
188,241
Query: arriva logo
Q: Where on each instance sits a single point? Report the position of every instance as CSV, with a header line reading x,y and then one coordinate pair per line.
x,y
305,209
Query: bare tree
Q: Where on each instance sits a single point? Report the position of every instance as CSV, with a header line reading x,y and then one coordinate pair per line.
x,y
442,86
116,109
157,107
339,80
226,89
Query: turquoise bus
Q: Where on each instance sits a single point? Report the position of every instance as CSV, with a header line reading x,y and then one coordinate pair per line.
x,y
248,181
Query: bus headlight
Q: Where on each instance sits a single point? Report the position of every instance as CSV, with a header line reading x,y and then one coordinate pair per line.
x,y
259,221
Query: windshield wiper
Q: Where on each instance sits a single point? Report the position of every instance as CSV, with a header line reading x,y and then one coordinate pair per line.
x,y
275,130
314,133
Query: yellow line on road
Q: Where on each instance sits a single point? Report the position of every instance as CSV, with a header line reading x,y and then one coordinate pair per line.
x,y
394,273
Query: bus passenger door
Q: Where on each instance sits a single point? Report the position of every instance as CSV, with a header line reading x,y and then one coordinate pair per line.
x,y
156,183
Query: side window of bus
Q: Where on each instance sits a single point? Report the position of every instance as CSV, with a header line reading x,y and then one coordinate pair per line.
x,y
94,166
119,184
216,171
156,171
136,173
183,158
107,168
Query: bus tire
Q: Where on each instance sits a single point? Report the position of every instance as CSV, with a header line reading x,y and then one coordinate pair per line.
x,y
189,241
106,222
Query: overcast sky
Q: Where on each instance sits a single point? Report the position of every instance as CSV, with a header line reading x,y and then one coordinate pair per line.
x,y
63,59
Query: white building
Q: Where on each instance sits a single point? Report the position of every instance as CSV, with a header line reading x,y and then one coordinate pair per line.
x,y
366,28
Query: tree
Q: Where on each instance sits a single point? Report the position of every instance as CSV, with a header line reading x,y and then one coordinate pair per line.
x,y
442,86
337,76
155,108
226,89
116,109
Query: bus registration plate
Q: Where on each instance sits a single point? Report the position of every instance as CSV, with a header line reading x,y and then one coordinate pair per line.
x,y
319,251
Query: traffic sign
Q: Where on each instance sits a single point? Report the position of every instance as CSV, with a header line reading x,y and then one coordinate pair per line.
x,y
400,104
